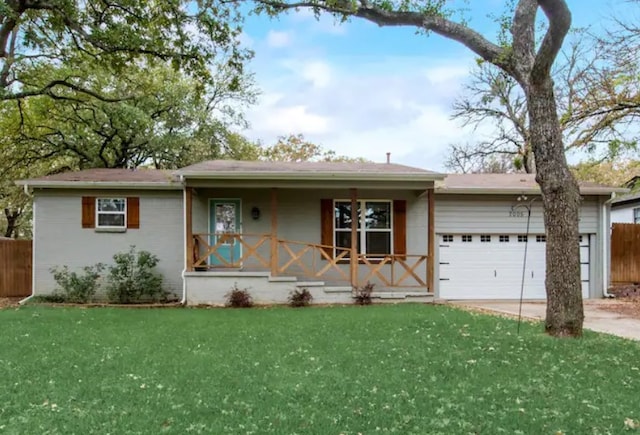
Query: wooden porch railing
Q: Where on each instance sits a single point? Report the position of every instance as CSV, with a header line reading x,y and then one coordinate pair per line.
x,y
250,244
307,260
404,270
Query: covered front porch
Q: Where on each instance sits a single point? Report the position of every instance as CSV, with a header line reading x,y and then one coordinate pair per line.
x,y
320,236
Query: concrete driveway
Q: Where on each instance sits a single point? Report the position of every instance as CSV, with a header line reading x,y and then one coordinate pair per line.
x,y
595,317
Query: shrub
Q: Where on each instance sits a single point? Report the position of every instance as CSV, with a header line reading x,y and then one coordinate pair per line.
x,y
133,278
239,298
76,287
362,295
300,298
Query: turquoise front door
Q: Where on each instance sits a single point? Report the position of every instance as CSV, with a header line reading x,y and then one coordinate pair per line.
x,y
224,220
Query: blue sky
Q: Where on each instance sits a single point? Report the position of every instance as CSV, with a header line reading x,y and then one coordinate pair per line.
x,y
363,90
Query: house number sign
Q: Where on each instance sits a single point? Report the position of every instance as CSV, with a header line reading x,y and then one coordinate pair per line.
x,y
516,213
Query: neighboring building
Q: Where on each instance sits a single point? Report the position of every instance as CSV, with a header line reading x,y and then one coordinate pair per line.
x,y
274,227
626,209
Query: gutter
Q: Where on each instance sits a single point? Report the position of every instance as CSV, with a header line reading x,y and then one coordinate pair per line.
x,y
606,242
183,300
33,254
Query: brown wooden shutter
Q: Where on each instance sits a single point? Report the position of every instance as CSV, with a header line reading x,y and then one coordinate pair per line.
x,y
133,212
88,212
326,225
400,227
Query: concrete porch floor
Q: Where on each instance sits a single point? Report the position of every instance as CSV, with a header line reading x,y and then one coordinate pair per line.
x,y
596,318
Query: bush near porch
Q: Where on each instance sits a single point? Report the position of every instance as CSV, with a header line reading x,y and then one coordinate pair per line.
x,y
326,370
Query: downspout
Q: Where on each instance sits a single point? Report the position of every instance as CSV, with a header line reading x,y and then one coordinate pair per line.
x,y
606,237
183,301
33,251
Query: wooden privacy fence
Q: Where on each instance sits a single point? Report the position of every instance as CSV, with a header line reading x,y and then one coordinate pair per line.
x,y
15,268
625,253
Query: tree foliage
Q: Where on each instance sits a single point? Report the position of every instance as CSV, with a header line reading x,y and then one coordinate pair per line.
x,y
115,35
295,148
159,117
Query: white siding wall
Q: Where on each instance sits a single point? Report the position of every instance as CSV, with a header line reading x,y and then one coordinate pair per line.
x,y
491,214
60,240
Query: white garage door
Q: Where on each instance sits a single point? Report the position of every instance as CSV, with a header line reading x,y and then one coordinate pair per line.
x,y
489,266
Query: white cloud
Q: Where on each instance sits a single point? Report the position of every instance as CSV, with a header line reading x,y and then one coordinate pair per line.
x,y
278,39
272,121
364,107
317,73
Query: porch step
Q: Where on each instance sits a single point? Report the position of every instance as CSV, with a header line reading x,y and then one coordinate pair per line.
x,y
337,289
389,295
310,284
281,278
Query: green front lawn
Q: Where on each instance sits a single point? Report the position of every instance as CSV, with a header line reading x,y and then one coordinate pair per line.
x,y
339,370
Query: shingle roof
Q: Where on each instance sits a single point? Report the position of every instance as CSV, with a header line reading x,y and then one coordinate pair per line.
x,y
221,166
107,177
508,183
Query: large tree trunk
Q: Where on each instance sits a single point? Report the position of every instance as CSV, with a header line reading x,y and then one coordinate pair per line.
x,y
561,201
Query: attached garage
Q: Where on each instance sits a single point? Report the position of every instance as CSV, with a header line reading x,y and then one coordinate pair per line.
x,y
490,266
481,234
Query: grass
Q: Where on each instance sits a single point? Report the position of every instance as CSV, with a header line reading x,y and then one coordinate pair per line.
x,y
339,370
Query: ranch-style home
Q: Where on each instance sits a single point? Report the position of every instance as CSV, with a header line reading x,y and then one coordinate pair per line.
x,y
274,227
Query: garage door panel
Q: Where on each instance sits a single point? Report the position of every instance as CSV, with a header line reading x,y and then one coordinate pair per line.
x,y
493,270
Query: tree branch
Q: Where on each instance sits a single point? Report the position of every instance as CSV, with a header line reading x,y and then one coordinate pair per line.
x,y
48,90
559,18
433,22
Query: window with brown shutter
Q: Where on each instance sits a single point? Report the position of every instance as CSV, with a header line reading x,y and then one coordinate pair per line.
x,y
326,225
400,227
110,213
88,212
381,226
133,212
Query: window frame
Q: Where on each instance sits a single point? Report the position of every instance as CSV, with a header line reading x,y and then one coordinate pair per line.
x,y
636,215
362,230
123,213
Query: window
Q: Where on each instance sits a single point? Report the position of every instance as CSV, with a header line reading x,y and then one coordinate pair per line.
x,y
111,213
522,238
504,239
467,238
485,238
541,238
447,238
373,222
636,215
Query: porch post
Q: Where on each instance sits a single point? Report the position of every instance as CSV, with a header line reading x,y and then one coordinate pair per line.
x,y
353,257
274,231
188,216
431,243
